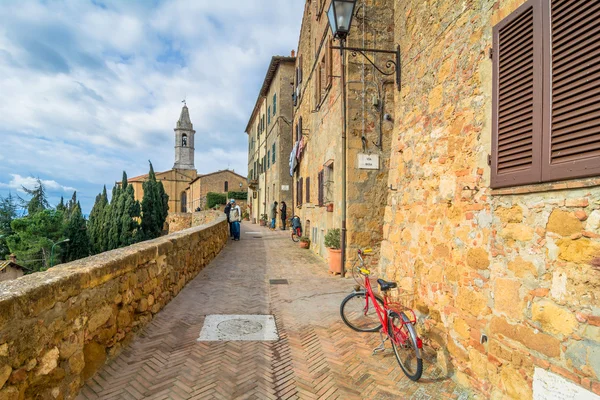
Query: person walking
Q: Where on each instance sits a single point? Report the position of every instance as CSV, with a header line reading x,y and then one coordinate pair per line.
x,y
273,214
235,215
283,214
227,211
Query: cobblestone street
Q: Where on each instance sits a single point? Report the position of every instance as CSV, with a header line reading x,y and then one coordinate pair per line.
x,y
317,356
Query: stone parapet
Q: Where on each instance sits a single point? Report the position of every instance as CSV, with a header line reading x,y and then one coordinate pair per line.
x,y
58,327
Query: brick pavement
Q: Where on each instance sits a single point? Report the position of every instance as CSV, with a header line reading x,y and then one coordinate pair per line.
x,y
317,356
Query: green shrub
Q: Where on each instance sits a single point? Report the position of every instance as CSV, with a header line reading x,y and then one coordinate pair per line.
x,y
333,239
214,199
305,239
238,195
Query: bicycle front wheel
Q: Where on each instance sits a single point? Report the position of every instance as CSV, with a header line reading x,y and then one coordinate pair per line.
x,y
359,313
295,237
405,345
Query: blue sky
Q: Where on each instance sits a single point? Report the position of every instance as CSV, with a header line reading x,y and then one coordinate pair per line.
x,y
91,88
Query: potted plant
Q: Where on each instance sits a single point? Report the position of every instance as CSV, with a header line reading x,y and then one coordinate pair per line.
x,y
304,242
329,207
333,243
263,220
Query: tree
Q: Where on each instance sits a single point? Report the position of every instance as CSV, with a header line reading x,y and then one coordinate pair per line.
x,y
8,212
34,236
96,223
76,230
155,205
129,215
39,199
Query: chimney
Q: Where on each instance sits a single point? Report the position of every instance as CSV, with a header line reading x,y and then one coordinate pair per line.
x,y
13,258
293,53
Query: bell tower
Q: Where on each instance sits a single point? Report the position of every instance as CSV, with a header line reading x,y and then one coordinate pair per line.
x,y
184,141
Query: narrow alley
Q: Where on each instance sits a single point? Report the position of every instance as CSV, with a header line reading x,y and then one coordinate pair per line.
x,y
316,357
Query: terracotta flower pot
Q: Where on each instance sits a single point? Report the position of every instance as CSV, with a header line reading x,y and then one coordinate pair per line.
x,y
263,223
330,207
335,260
304,245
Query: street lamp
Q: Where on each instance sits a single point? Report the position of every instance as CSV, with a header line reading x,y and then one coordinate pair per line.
x,y
52,251
340,16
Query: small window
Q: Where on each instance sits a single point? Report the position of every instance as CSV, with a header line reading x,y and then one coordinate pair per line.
x,y
269,159
184,140
269,115
273,153
299,191
274,104
308,189
226,187
183,202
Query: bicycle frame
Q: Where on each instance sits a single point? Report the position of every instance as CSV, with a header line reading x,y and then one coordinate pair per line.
x,y
383,313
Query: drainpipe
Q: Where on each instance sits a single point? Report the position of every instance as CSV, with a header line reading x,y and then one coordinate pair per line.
x,y
342,55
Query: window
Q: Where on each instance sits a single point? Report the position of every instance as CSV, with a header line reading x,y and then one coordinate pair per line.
x,y
546,113
328,63
268,158
184,140
273,153
183,202
274,103
308,189
269,115
226,187
320,182
299,191
328,182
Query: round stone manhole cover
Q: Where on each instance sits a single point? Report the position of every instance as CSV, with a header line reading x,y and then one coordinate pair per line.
x,y
239,327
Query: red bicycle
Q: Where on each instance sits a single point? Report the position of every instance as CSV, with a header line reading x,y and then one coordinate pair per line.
x,y
296,228
364,311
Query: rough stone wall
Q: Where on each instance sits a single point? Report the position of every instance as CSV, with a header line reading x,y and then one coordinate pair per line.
x,y
174,181
58,327
322,123
511,264
10,273
179,221
214,182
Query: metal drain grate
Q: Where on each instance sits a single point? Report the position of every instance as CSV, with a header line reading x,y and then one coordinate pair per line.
x,y
278,281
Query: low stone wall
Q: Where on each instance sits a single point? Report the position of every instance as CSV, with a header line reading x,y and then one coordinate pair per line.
x,y
181,221
204,217
58,327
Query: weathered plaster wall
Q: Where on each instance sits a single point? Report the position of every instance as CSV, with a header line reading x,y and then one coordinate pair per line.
x,y
511,264
58,327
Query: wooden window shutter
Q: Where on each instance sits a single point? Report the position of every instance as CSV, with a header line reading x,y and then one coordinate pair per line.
x,y
317,87
300,70
321,184
308,189
328,63
300,184
517,97
572,145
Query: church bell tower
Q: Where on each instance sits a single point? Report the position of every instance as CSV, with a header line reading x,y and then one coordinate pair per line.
x,y
184,141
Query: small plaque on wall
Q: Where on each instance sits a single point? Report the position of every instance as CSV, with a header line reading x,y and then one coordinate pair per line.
x,y
285,188
368,161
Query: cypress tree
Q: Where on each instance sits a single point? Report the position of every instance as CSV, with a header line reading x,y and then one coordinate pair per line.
x,y
96,227
61,206
39,199
129,217
76,231
113,219
153,207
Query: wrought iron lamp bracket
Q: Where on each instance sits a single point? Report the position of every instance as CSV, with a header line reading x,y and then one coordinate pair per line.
x,y
391,66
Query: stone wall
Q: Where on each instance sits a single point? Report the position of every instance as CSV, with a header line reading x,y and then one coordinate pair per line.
x,y
180,221
58,327
321,115
511,264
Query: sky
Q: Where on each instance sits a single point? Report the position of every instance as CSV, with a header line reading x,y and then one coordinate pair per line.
x,y
91,88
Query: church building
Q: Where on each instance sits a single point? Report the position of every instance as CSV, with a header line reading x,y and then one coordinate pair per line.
x,y
178,180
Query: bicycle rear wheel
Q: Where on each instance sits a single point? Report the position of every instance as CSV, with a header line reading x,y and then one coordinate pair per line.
x,y
295,237
405,345
359,313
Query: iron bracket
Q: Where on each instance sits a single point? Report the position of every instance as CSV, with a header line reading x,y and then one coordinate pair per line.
x,y
392,67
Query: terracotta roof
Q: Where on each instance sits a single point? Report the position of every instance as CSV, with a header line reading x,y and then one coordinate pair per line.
x,y
217,172
273,66
9,263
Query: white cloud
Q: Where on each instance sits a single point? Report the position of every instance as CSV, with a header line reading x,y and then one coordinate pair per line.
x,y
19,182
89,91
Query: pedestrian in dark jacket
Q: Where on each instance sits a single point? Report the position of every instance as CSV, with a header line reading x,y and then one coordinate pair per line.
x,y
227,210
283,214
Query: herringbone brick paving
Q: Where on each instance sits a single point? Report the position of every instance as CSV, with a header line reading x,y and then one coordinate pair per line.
x,y
317,356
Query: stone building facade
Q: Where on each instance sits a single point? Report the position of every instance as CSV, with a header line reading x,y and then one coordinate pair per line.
x,y
318,127
505,276
216,182
9,269
269,133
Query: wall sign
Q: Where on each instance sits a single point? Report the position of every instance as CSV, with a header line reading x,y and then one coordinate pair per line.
x,y
549,386
368,161
285,188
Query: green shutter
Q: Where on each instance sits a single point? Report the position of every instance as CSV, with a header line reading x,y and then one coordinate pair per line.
x,y
274,104
273,153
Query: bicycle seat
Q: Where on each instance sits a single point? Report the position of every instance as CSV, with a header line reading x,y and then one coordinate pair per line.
x,y
385,285
367,251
